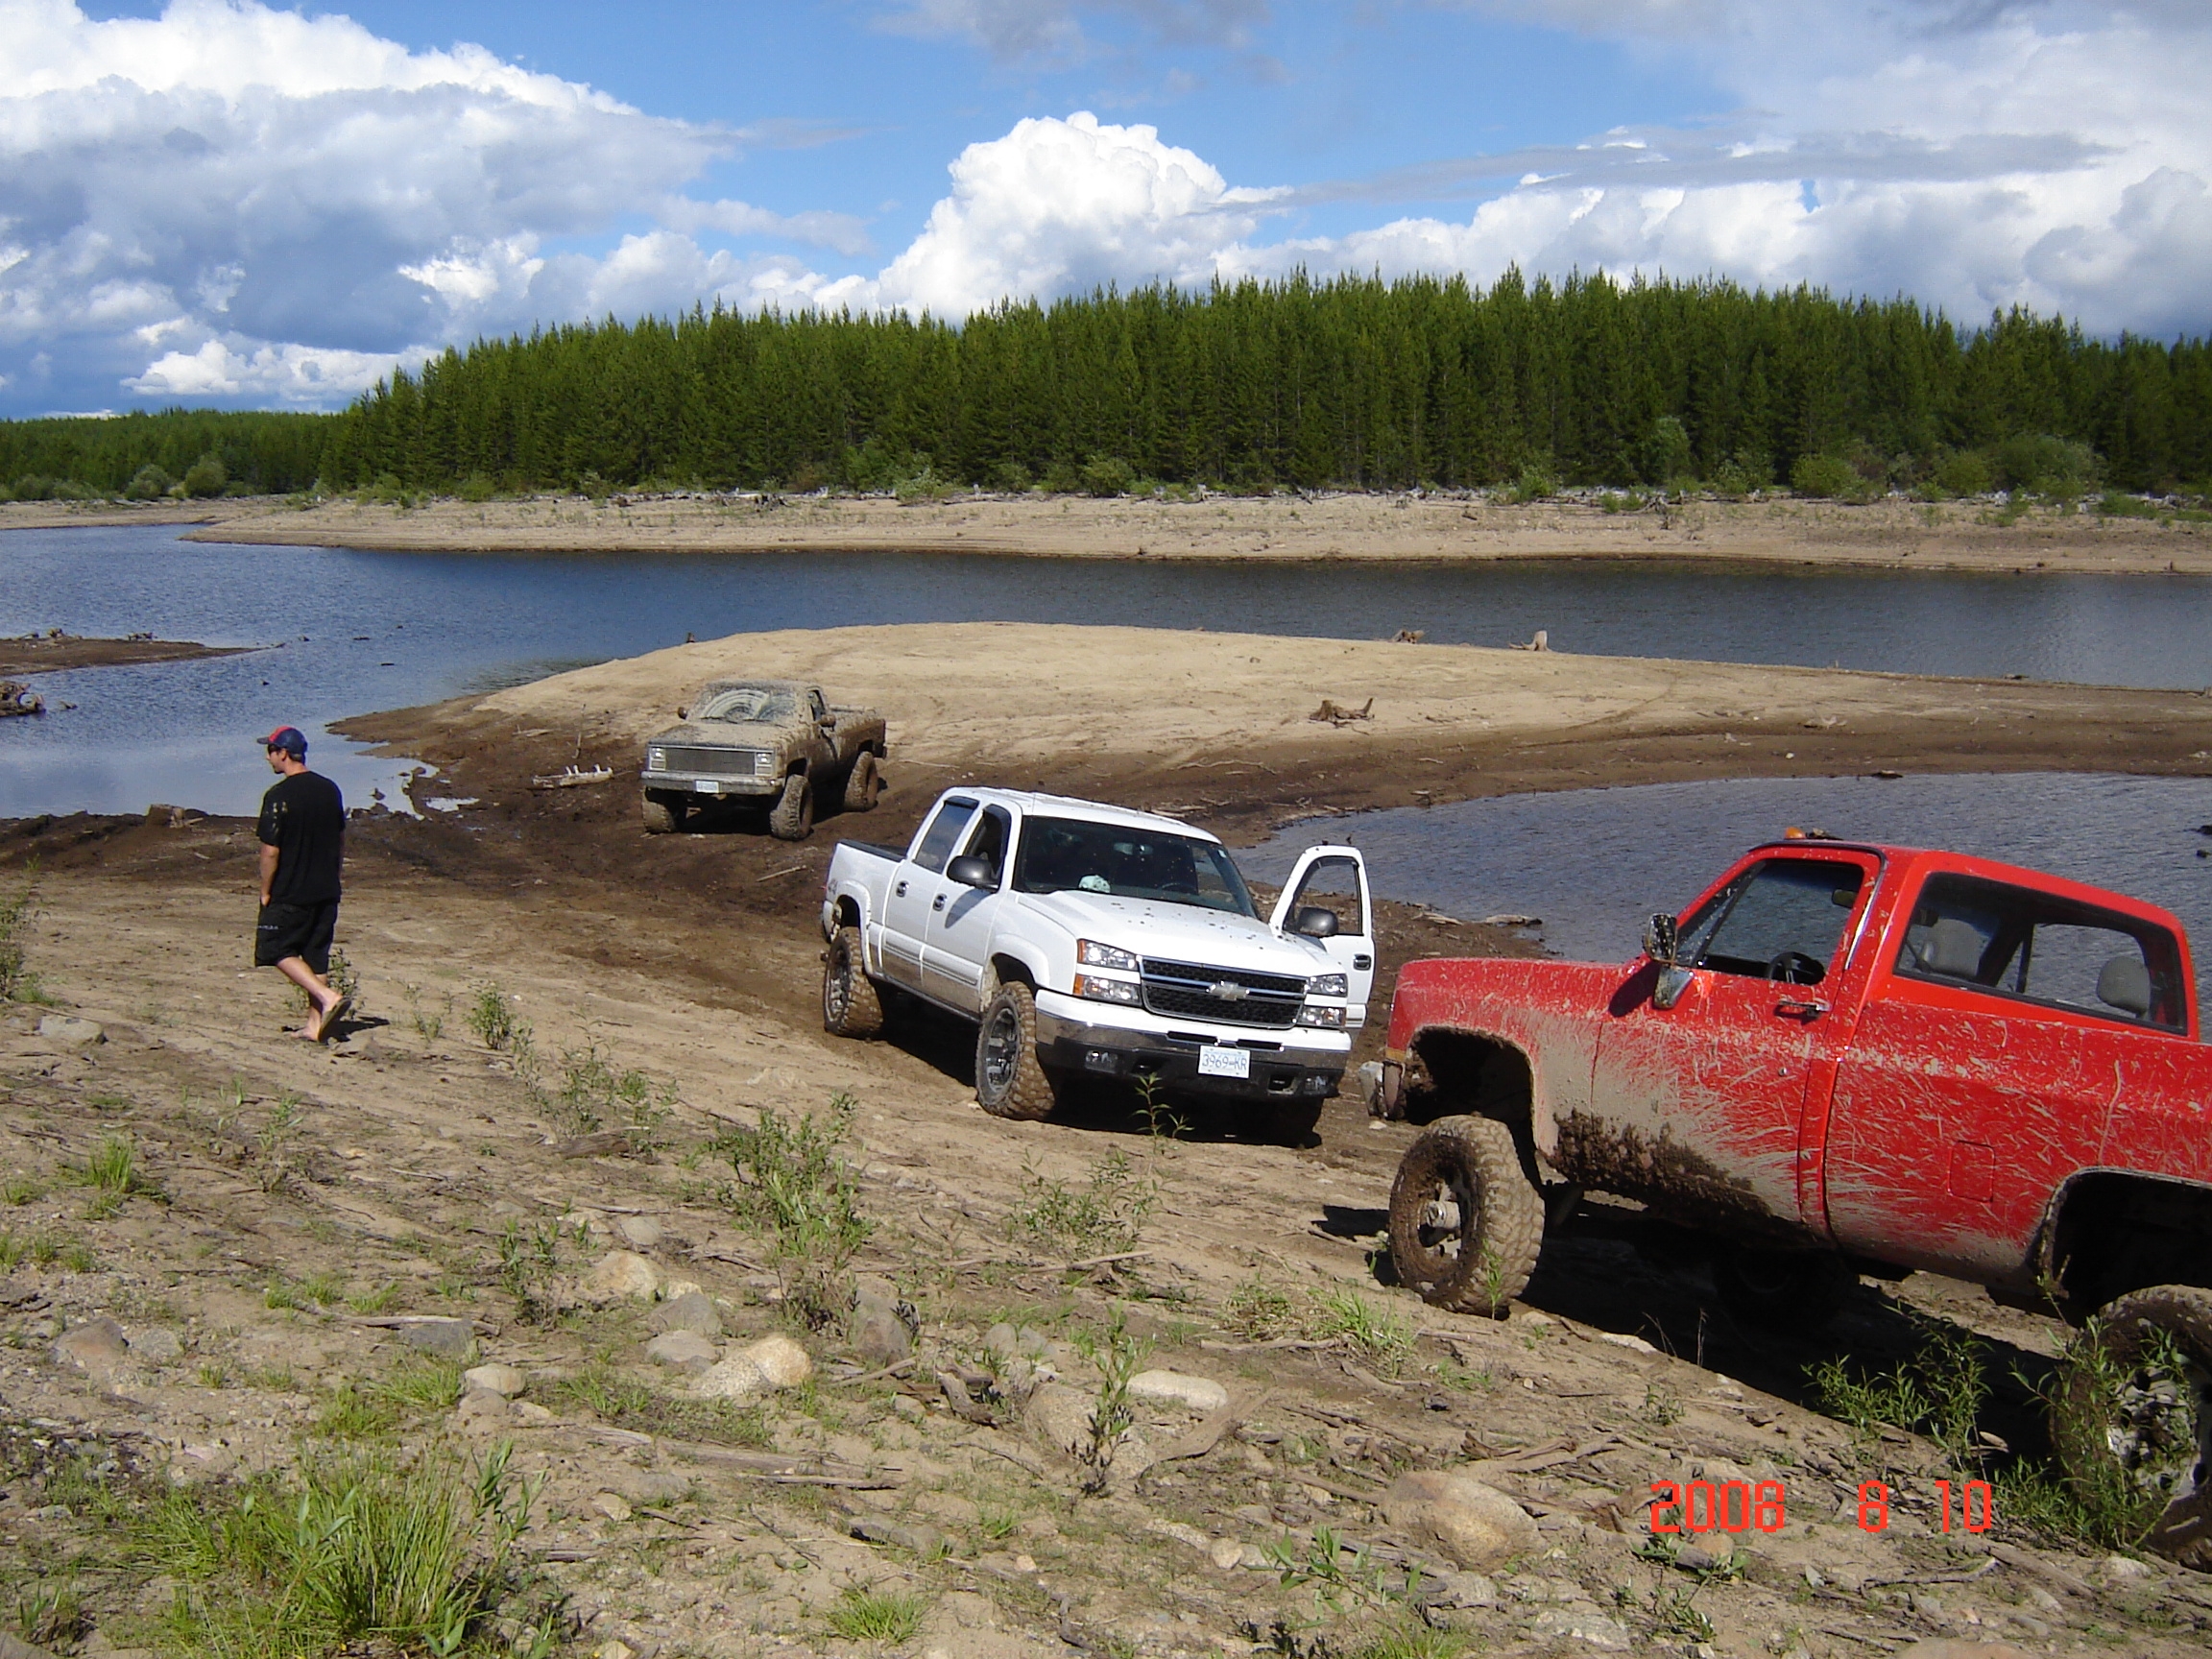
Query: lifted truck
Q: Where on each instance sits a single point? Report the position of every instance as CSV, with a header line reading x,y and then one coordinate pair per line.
x,y
1848,1058
1087,941
768,745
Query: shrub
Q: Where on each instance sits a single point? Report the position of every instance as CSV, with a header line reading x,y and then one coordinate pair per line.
x,y
476,488
206,477
148,484
2045,466
1108,476
1828,477
1535,484
1962,473
1664,453
793,1180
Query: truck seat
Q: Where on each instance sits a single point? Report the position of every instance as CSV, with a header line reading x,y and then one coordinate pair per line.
x,y
2125,984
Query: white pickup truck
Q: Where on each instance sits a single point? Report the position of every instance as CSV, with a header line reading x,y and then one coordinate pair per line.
x,y
1088,941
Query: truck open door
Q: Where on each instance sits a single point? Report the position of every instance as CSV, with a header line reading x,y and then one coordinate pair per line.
x,y
1335,879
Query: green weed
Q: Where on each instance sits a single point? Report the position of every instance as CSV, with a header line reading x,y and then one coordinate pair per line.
x,y
51,1613
420,1555
1342,1578
1382,1337
364,1411
12,1250
1938,1391
888,1616
1119,1355
18,983
623,1404
112,1170
429,1024
1415,1642
1104,1216
381,1299
1662,1407
792,1180
1259,1312
20,1187
593,1091
492,1017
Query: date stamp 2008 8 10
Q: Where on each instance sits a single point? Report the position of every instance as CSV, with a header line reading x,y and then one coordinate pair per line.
x,y
1692,1506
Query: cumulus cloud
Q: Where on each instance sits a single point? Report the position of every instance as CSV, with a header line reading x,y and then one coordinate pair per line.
x,y
229,201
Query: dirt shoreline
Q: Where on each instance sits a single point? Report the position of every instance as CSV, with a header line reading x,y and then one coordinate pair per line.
x,y
290,1197
50,653
1383,527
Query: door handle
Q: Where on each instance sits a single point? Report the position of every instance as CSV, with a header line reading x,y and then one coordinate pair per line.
x,y
940,903
900,891
1808,1010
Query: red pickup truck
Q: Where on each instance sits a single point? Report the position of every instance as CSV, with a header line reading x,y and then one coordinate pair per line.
x,y
1843,1058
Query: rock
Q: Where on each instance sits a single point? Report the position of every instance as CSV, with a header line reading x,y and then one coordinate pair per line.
x,y
907,1407
2126,1568
920,1540
432,1333
1466,1590
881,1335
612,1505
648,1486
622,1273
639,1231
1059,1417
779,1360
600,1144
503,1380
68,1028
1174,1388
158,1346
14,1646
1957,1648
1226,1554
1476,1526
1583,1623
673,1288
1000,1340
481,1408
735,1378
96,1345
682,1350
532,1413
613,1647
692,1312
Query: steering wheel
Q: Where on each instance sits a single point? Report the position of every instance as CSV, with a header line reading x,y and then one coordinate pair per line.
x,y
1180,886
1795,968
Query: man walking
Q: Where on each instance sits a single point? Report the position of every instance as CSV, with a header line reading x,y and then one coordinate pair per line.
x,y
302,830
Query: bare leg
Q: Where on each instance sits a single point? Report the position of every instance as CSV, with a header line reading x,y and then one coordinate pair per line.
x,y
296,969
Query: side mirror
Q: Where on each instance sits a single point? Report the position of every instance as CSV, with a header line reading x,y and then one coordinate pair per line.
x,y
683,713
973,871
1315,922
1661,943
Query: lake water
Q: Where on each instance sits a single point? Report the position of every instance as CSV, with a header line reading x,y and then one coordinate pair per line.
x,y
349,632
1594,863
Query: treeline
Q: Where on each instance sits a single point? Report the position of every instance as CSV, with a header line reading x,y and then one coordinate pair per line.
x,y
246,452
1350,382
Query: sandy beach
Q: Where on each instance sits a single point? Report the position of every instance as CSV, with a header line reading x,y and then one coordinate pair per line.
x,y
1883,535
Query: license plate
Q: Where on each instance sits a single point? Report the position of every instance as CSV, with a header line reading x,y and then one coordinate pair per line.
x,y
1218,1062
705,787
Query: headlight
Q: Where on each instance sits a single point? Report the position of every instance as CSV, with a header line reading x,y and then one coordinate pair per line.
x,y
1328,985
1100,990
1093,954
764,763
655,761
1320,1014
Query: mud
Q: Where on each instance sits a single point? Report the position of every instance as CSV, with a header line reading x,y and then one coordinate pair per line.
x,y
47,653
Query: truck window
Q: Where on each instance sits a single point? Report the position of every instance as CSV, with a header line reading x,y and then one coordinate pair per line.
x,y
743,704
2017,942
993,831
1332,884
814,702
1058,855
936,845
1783,919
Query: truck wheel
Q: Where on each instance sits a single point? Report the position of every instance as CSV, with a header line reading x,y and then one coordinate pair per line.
x,y
662,816
792,817
1466,1224
863,785
1010,1080
850,1004
1781,1289
2132,1417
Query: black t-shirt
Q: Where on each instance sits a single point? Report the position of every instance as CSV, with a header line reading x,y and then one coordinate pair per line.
x,y
304,817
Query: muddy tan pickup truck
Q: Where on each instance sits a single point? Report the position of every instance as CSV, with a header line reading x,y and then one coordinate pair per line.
x,y
762,745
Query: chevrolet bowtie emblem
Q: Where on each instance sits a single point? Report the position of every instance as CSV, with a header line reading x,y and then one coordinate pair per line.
x,y
1229,991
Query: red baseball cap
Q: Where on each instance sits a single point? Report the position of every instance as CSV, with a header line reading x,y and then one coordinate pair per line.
x,y
289,739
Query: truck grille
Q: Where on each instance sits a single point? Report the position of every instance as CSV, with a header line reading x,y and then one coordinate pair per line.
x,y
712,762
1233,995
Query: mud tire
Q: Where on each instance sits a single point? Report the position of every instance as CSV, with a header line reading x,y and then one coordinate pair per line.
x,y
1478,1264
663,817
1010,1080
850,1006
2091,1429
863,785
792,817
1797,1290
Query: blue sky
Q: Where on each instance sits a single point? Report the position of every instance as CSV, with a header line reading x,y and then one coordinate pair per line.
x,y
217,201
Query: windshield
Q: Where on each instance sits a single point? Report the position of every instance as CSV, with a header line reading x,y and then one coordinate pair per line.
x,y
1063,854
741,704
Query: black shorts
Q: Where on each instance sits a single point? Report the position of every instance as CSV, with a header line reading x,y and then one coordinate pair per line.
x,y
301,930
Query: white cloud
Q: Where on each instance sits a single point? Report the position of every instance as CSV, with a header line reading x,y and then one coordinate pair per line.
x,y
1053,29
229,201
1059,207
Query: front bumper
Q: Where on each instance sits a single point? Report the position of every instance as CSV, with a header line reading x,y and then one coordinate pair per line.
x,y
1084,1036
744,786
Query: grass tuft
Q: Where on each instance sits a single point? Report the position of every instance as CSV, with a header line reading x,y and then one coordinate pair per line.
x,y
888,1616
793,1180
1104,1215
